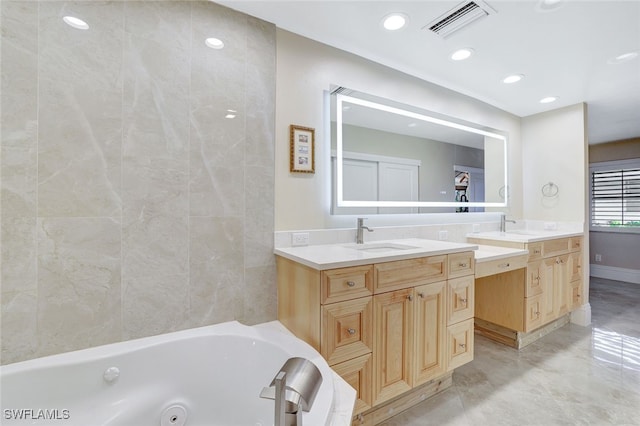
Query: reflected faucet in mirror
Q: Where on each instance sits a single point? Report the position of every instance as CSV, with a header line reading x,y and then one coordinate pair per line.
x,y
359,233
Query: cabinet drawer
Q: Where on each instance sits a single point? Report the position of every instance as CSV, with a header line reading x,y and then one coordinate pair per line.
x,y
346,283
535,251
459,344
484,269
575,243
347,330
460,300
409,273
461,264
555,247
357,372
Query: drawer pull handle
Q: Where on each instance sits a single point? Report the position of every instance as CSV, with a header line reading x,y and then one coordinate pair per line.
x,y
351,283
462,265
351,331
410,297
463,300
536,252
503,265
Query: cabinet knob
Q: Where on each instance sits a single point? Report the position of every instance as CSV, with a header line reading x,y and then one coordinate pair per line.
x,y
421,295
351,331
351,283
537,314
463,300
462,265
503,265
462,345
410,297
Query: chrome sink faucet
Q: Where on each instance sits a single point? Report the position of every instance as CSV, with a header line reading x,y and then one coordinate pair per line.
x,y
503,222
361,227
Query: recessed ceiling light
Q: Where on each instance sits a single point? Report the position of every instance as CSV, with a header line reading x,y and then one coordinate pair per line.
x,y
214,43
74,22
394,21
514,78
549,5
623,58
462,54
548,99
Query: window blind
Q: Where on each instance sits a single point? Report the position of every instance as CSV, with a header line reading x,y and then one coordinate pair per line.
x,y
615,198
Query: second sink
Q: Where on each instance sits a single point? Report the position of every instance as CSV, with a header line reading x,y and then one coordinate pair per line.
x,y
380,247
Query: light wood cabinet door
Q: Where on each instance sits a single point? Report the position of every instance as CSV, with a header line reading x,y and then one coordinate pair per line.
x,y
575,266
393,340
347,329
460,300
562,284
459,344
533,312
576,294
549,303
357,372
534,279
429,332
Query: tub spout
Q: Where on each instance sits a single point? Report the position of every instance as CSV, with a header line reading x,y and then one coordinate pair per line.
x,y
294,389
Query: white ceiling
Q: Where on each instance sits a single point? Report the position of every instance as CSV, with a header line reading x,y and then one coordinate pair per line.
x,y
563,52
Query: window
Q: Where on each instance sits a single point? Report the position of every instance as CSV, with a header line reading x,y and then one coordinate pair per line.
x,y
615,196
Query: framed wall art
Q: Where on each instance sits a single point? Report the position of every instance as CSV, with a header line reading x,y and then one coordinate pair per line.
x,y
302,152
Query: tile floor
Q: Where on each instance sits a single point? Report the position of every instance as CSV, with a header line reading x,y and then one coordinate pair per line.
x,y
573,376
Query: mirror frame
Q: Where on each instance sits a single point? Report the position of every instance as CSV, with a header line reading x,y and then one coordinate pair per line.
x,y
341,202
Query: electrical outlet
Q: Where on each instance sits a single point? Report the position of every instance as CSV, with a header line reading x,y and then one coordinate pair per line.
x,y
300,239
598,258
443,235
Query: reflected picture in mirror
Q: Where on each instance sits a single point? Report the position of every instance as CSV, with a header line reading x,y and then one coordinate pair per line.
x,y
393,158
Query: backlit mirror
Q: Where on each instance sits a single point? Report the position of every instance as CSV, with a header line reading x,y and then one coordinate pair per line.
x,y
394,158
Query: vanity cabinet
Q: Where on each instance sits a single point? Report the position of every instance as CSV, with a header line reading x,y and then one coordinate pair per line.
x,y
512,304
387,327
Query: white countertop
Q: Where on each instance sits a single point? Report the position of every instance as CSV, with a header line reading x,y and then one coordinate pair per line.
x,y
524,236
486,253
329,256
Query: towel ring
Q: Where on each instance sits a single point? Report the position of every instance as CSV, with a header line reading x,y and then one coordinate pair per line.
x,y
550,189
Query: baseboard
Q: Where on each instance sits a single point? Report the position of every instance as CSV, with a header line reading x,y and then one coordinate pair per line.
x,y
612,273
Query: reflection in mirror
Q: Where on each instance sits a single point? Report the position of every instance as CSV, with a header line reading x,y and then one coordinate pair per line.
x,y
393,158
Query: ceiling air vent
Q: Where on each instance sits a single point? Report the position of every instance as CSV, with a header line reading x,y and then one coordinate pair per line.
x,y
459,17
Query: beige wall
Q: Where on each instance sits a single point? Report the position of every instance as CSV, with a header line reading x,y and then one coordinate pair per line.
x,y
306,69
130,205
616,150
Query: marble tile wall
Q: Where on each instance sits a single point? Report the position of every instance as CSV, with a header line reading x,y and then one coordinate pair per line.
x,y
130,205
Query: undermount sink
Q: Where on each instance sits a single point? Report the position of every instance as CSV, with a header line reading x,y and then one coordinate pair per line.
x,y
380,247
519,232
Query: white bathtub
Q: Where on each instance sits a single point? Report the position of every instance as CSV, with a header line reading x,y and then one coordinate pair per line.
x,y
214,373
